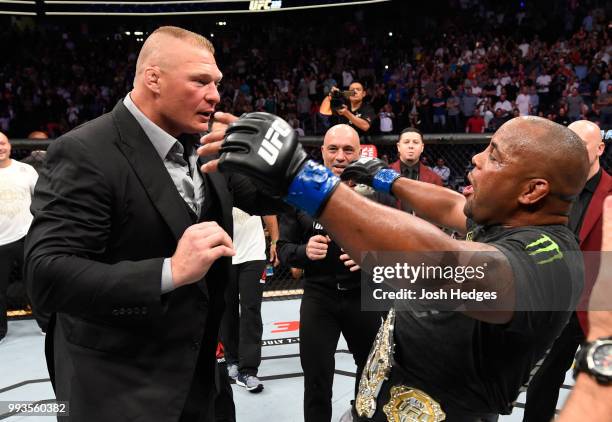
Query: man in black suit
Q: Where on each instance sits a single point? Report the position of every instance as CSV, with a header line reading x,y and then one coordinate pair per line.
x,y
130,245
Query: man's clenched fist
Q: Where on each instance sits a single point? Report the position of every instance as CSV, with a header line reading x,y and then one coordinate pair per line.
x,y
199,247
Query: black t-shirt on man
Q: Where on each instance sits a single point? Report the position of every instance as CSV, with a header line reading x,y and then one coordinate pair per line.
x,y
365,111
472,367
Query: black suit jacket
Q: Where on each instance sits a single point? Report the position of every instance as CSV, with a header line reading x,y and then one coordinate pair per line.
x,y
106,214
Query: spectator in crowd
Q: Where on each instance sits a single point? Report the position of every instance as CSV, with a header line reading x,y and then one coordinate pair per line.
x,y
604,104
562,118
575,105
386,117
543,82
523,102
497,121
17,182
534,100
504,105
468,104
442,170
475,124
605,82
438,104
452,109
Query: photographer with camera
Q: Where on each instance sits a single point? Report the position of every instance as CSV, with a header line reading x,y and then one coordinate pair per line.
x,y
357,113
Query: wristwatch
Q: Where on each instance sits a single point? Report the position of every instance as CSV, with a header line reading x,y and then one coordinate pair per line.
x,y
595,359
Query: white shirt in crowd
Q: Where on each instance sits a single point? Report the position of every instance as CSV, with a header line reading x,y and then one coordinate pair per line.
x,y
17,183
522,103
386,123
542,82
504,105
249,238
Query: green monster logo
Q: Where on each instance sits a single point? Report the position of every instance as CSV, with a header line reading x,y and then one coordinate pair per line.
x,y
546,248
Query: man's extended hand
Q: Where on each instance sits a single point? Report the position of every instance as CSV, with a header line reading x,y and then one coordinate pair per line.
x,y
211,142
199,247
266,148
372,172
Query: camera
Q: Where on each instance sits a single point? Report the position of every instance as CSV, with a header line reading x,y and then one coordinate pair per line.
x,y
338,98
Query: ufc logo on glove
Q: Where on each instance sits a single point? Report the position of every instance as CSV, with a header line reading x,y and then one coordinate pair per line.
x,y
271,146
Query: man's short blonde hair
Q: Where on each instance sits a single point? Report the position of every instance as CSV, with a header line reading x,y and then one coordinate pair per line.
x,y
152,43
185,35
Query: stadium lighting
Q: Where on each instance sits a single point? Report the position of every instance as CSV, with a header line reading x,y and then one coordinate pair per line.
x,y
386,66
212,35
138,33
390,34
128,33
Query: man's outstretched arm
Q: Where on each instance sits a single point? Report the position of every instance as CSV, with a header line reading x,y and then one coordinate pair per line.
x,y
435,204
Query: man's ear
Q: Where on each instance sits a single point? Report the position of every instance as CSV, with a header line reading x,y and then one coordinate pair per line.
x,y
600,149
535,190
151,79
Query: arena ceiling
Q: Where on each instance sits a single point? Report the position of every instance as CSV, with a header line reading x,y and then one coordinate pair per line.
x,y
157,7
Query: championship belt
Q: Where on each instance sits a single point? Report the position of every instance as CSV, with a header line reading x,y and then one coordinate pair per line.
x,y
410,404
377,368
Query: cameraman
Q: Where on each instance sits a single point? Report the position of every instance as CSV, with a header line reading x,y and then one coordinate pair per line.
x,y
359,115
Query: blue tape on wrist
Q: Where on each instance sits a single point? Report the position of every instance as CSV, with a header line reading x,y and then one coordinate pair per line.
x,y
383,180
311,188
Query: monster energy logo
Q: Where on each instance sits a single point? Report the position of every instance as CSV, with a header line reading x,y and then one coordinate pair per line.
x,y
544,245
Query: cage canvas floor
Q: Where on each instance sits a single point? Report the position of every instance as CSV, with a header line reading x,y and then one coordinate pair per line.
x,y
24,376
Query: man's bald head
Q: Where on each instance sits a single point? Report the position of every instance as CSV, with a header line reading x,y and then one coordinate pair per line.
x,y
528,175
340,147
590,134
549,151
344,132
159,48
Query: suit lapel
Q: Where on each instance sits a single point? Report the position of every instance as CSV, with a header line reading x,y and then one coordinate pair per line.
x,y
151,171
594,209
216,187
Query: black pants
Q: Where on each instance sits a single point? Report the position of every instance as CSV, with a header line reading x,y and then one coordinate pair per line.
x,y
241,327
543,390
11,254
225,410
324,314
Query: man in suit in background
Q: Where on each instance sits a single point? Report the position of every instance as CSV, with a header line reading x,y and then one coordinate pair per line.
x,y
130,245
586,222
410,146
